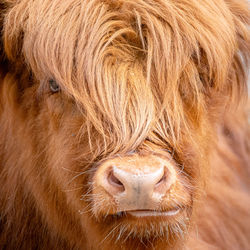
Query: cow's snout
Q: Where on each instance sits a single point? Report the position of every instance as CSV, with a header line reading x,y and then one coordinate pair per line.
x,y
135,183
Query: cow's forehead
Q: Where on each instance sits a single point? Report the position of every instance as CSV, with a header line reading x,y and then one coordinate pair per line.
x,y
123,61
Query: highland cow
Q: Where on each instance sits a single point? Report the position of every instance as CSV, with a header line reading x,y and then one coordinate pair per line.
x,y
123,124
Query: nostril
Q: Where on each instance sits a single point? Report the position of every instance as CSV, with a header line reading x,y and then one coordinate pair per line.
x,y
114,181
162,180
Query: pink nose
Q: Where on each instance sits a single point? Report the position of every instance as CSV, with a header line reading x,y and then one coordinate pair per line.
x,y
136,183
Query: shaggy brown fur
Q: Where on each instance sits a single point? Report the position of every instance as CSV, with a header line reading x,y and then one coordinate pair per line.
x,y
135,76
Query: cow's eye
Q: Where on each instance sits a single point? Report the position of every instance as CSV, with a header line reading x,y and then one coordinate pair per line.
x,y
54,87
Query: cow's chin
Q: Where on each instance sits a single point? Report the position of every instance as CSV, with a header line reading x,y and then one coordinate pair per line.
x,y
146,225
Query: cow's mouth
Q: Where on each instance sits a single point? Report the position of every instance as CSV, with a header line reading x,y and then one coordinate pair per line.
x,y
170,213
153,213
147,223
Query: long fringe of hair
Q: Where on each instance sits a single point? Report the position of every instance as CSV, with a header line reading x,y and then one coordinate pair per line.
x,y
136,69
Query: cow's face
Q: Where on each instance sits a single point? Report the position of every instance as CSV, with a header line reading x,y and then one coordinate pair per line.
x,y
118,103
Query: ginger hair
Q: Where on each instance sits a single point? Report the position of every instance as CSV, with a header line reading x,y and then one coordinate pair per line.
x,y
135,76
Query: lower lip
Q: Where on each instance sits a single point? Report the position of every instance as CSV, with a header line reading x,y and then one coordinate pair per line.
x,y
153,213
